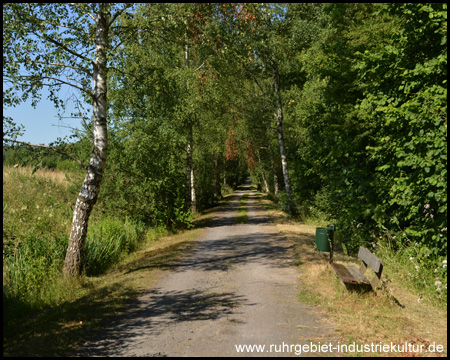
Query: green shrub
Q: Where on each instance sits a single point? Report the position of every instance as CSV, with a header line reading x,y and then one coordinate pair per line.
x,y
417,269
282,201
68,165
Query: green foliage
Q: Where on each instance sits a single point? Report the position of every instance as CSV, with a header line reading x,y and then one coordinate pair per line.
x,y
36,225
10,129
319,208
363,91
108,240
47,159
371,120
409,146
145,176
367,127
166,95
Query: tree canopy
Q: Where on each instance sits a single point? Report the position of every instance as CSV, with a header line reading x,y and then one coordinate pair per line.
x,y
335,109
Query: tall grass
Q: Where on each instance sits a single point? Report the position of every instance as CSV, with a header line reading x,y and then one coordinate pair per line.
x,y
427,279
41,173
37,214
109,240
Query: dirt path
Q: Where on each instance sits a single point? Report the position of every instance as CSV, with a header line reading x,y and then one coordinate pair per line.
x,y
238,287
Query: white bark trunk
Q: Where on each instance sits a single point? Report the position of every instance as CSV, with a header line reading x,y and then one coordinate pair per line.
x,y
263,173
279,117
94,171
190,183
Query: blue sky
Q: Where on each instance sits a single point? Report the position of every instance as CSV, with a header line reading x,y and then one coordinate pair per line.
x,y
41,124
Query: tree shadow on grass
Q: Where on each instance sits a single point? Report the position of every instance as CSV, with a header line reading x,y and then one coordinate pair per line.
x,y
52,331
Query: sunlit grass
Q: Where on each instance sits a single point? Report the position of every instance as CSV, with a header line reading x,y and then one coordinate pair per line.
x,y
57,176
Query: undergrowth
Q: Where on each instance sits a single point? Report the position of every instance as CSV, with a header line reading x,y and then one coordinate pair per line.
x,y
37,213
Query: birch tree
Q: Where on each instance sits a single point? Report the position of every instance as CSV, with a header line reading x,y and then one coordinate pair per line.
x,y
263,32
55,45
190,182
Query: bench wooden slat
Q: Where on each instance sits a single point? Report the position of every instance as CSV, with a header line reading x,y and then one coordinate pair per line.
x,y
370,259
352,276
344,274
357,274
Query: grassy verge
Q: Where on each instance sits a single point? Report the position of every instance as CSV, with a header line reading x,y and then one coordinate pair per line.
x,y
393,315
56,330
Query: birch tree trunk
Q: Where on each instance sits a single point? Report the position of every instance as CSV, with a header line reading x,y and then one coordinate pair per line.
x,y
190,188
275,175
279,118
190,183
263,173
94,171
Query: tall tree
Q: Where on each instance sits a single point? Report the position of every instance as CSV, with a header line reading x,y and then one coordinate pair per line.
x,y
53,45
280,135
190,181
261,49
166,89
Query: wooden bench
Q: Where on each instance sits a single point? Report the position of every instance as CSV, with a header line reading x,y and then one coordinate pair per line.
x,y
353,277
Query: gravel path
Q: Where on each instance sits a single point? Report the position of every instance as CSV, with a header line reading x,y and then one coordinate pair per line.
x,y
237,288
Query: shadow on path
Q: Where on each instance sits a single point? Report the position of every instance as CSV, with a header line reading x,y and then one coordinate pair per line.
x,y
164,317
145,319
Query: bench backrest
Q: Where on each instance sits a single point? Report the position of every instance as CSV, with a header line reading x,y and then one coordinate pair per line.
x,y
370,259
